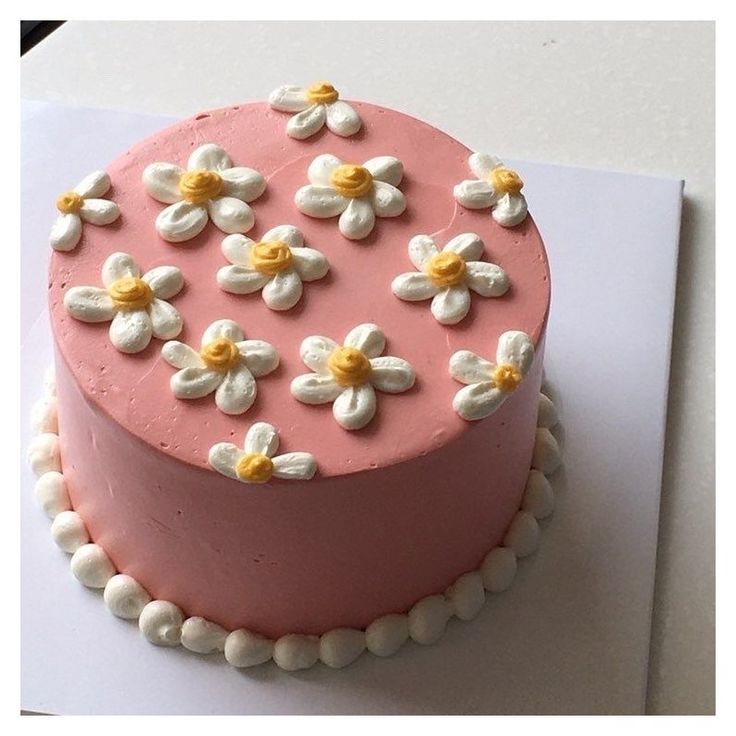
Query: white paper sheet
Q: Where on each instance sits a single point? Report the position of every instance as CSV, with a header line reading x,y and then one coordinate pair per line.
x,y
572,633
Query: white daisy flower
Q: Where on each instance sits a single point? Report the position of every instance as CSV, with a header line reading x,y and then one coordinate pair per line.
x,y
347,374
357,193
496,187
489,384
256,463
446,276
278,264
82,204
135,304
314,106
211,187
226,363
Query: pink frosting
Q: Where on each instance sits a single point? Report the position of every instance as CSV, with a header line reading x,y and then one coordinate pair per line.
x,y
397,510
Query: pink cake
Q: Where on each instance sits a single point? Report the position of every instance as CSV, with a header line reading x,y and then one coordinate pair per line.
x,y
274,286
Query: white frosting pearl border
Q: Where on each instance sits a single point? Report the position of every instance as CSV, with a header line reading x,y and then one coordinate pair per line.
x,y
164,624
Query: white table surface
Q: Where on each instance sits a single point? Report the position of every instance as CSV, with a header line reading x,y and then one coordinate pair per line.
x,y
630,96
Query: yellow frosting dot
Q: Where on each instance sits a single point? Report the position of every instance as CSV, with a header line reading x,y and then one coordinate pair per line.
x,y
199,185
446,269
351,180
321,93
506,377
254,467
349,366
271,258
220,354
504,180
69,203
130,293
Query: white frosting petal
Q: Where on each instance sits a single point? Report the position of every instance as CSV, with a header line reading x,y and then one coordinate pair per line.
x,y
451,304
194,382
474,194
478,400
498,569
181,221
43,454
468,246
387,200
428,619
237,391
296,652
260,357
355,406
358,219
283,290
231,215
236,248
523,534
289,98
342,119
166,322
288,234
160,622
246,649
117,266
66,232
516,348
481,164
368,338
223,457
69,532
211,157
166,281
95,184
52,494
226,328
467,367
202,636
294,466
421,249
99,211
547,412
320,201
413,287
310,264
306,123
125,597
262,438
392,375
486,279
546,456
320,170
241,280
315,388
91,566
539,499
386,168
340,647
130,332
510,210
45,416
467,596
89,304
386,635
315,351
242,183
161,181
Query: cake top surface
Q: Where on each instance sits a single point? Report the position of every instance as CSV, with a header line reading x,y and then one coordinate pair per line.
x,y
134,389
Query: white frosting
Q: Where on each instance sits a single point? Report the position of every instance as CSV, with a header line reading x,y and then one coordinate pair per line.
x,y
358,215
67,229
539,498
467,596
91,566
507,209
262,439
480,397
160,622
547,455
44,416
546,413
294,652
234,388
202,636
246,649
281,290
183,220
52,494
69,532
498,569
353,407
340,117
125,597
523,534
386,635
340,647
428,619
450,304
130,329
43,453
49,380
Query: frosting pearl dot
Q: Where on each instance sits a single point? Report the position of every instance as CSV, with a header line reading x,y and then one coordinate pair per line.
x,y
125,597
202,636
386,635
467,596
523,534
91,566
428,619
160,622
546,455
69,532
296,652
539,499
246,649
52,494
44,416
340,647
44,454
498,569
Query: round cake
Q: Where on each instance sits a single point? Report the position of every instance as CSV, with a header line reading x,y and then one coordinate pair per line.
x,y
298,372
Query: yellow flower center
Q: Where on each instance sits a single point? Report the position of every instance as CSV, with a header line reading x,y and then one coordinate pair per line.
x,y
506,377
271,258
220,354
199,185
130,293
349,366
351,180
69,203
321,93
505,181
446,269
254,467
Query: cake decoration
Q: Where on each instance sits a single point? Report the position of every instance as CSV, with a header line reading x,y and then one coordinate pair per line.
x,y
82,204
226,363
277,264
489,384
446,276
358,194
136,304
315,106
497,187
256,463
210,188
348,374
